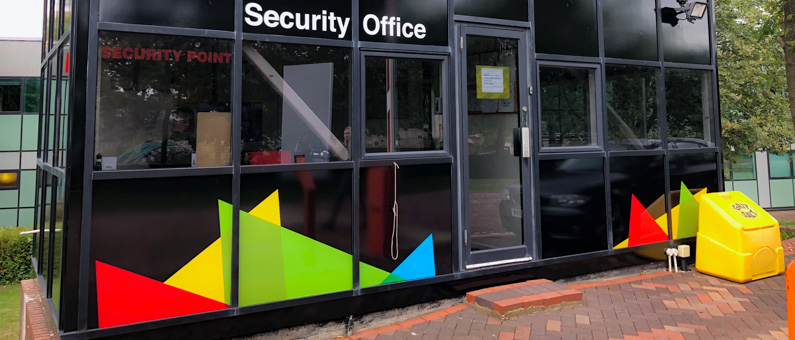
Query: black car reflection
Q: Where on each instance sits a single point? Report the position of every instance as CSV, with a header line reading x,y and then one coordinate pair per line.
x,y
572,200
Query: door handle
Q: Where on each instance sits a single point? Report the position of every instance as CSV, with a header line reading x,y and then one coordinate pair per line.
x,y
521,142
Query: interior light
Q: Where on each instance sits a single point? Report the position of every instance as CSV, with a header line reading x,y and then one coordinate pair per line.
x,y
699,9
8,180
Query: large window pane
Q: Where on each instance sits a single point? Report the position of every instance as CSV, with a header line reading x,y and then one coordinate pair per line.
x,y
67,15
566,27
296,104
64,118
164,101
631,99
568,106
780,166
52,112
572,206
743,168
683,41
688,100
10,91
404,108
630,29
32,95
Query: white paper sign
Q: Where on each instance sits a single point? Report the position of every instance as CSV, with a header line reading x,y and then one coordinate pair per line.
x,y
492,80
109,163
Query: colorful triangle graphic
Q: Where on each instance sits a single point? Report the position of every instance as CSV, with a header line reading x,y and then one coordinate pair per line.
x,y
642,227
392,278
688,214
124,298
371,276
261,262
225,223
314,268
204,275
420,264
269,209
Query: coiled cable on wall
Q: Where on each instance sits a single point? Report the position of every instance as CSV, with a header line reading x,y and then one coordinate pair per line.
x,y
394,246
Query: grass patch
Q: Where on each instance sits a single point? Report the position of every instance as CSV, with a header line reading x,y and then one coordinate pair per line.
x,y
9,311
787,230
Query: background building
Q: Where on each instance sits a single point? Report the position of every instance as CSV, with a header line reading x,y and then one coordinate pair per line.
x,y
766,178
20,71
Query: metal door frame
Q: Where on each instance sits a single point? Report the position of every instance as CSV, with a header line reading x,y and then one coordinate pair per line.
x,y
525,252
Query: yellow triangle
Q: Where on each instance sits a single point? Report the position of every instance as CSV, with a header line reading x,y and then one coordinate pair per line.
x,y
204,275
675,220
700,194
268,210
622,245
663,223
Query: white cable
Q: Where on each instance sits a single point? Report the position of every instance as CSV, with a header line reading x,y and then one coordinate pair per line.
x,y
394,246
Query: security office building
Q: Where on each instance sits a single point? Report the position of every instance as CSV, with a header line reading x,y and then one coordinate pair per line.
x,y
219,168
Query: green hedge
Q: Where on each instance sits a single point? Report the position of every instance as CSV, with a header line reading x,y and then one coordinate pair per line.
x,y
15,254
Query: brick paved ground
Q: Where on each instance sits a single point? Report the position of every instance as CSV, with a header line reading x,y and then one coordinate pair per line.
x,y
678,306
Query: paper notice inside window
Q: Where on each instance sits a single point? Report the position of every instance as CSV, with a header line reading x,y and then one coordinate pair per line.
x,y
492,82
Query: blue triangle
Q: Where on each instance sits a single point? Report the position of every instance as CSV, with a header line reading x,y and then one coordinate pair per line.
x,y
420,264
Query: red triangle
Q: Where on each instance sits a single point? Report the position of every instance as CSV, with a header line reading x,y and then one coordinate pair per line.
x,y
643,229
124,297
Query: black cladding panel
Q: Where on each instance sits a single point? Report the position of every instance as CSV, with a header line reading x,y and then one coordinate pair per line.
x,y
566,27
630,29
431,14
516,10
203,14
686,42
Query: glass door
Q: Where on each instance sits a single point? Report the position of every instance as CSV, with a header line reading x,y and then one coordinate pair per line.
x,y
496,143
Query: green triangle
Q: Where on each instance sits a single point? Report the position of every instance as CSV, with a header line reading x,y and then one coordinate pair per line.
x,y
688,214
370,276
313,268
262,274
392,278
225,222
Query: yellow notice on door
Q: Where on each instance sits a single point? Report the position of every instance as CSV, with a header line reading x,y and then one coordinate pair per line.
x,y
493,82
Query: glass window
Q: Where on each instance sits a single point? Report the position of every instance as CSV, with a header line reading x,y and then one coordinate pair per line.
x,y
56,21
630,29
688,100
43,112
566,27
683,41
10,90
780,166
32,95
67,15
403,105
164,101
296,104
631,96
743,168
568,106
52,112
64,118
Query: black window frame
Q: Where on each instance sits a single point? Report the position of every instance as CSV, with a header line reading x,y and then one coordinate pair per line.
x,y
597,110
445,152
790,158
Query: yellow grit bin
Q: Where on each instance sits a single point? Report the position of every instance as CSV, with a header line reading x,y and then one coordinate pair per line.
x,y
737,240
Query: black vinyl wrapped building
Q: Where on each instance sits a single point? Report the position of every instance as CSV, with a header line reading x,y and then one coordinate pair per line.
x,y
219,168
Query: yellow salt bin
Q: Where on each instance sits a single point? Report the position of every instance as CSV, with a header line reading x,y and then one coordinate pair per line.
x,y
737,240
